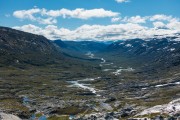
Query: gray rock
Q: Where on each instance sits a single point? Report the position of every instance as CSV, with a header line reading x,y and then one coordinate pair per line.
x,y
4,116
159,118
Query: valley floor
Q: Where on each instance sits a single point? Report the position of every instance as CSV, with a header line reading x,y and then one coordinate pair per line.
x,y
102,89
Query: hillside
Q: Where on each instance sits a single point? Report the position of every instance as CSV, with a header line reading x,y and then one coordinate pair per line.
x,y
151,55
17,47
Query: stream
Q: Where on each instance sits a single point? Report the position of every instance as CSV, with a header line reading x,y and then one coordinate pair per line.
x,y
162,85
80,84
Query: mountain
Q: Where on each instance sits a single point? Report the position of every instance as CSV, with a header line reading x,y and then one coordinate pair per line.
x,y
17,47
60,43
20,47
82,46
155,52
152,54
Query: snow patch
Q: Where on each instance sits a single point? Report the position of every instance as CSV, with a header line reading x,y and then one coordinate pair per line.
x,y
128,45
118,72
172,49
106,70
89,54
103,60
121,43
163,85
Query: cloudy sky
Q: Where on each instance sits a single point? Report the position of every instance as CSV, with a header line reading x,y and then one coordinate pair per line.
x,y
92,19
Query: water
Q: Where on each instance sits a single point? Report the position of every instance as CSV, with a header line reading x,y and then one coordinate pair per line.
x,y
84,86
118,71
163,85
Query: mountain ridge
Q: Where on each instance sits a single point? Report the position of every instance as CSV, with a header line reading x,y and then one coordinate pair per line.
x,y
22,47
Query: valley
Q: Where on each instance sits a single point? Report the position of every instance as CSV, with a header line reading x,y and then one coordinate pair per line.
x,y
63,80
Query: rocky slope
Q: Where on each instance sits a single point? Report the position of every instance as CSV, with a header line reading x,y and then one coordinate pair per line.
x,y
153,54
20,47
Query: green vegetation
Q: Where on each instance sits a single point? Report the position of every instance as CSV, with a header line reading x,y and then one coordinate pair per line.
x,y
59,117
39,115
153,115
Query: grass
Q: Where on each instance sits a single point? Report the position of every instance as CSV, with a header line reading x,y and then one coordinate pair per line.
x,y
43,83
38,83
15,107
153,115
64,117
73,110
12,104
38,114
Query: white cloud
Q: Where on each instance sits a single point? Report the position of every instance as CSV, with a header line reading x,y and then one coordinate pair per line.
x,y
29,28
159,24
160,17
26,14
116,19
121,1
44,16
135,19
82,13
49,20
127,28
104,32
139,19
30,15
174,24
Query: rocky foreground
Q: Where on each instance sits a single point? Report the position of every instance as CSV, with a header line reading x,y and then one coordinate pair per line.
x,y
4,116
170,111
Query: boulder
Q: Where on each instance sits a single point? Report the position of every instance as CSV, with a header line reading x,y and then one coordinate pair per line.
x,y
4,116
